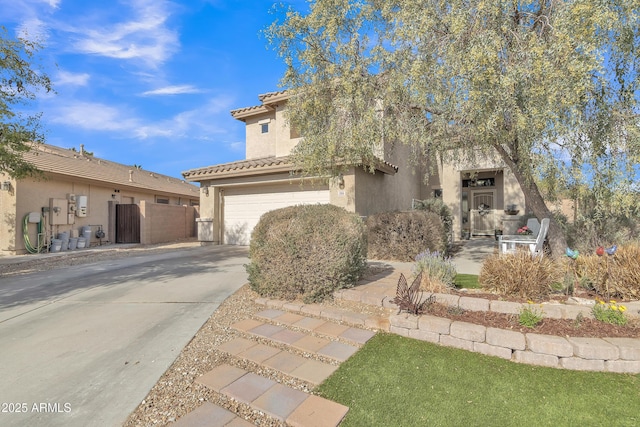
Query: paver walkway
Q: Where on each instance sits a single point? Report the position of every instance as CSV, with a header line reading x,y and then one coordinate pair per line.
x,y
303,341
325,343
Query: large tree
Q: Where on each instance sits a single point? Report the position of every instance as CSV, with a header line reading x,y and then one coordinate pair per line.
x,y
548,85
21,79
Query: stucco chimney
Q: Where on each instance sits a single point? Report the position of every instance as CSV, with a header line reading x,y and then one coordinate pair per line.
x,y
130,175
82,149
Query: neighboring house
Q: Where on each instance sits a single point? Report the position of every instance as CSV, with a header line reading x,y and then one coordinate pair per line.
x,y
79,192
234,195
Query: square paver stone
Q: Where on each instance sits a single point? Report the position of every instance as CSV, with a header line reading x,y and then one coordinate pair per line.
x,y
331,329
314,371
248,388
288,318
270,314
280,401
309,323
338,351
287,336
265,330
310,343
206,415
239,422
259,353
284,362
246,324
316,411
236,346
357,335
221,376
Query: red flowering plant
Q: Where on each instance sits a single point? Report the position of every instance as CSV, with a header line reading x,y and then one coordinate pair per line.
x,y
524,230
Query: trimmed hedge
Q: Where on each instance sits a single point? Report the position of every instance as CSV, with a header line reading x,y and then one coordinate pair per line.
x,y
401,236
306,251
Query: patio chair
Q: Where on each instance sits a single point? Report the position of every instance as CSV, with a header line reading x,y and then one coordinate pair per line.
x,y
534,225
535,243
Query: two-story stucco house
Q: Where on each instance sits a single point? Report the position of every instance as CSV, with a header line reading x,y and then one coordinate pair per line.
x,y
234,195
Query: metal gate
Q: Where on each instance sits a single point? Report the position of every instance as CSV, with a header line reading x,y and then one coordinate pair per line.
x,y
127,223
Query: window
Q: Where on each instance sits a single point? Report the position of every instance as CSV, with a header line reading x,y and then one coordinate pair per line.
x,y
162,200
264,128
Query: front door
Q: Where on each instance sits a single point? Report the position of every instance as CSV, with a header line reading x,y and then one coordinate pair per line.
x,y
483,212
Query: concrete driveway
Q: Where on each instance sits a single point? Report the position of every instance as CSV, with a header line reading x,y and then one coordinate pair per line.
x,y
82,346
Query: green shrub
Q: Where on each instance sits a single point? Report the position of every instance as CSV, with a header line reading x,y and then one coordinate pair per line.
x,y
438,272
437,206
530,316
401,236
519,275
308,251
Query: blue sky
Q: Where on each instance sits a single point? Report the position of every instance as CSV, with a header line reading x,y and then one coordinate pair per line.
x,y
150,82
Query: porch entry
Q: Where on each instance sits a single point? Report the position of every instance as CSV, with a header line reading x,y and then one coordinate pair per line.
x,y
127,223
479,200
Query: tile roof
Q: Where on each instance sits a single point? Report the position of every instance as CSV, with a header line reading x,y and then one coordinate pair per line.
x,y
266,99
242,167
257,166
63,161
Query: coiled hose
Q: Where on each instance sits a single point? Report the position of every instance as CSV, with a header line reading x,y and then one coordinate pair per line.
x,y
25,232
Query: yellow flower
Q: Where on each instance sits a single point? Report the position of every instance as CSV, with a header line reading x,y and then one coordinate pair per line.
x,y
623,308
612,301
614,307
530,302
601,302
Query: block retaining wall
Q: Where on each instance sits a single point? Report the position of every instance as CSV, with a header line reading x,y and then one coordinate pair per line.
x,y
621,355
549,310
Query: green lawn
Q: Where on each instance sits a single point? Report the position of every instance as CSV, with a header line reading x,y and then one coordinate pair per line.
x,y
469,281
396,381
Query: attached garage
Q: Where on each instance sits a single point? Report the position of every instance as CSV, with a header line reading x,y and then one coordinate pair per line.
x,y
243,206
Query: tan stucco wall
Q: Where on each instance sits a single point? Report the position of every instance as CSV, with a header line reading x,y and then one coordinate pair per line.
x,y
32,195
260,144
284,142
380,192
161,223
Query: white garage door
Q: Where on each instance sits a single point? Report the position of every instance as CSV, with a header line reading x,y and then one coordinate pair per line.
x,y
243,207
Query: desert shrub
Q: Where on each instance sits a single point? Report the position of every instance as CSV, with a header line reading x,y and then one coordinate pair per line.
x,y
400,236
437,206
520,275
616,276
308,251
438,272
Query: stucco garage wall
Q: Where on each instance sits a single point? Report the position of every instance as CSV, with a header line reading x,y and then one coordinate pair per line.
x,y
161,223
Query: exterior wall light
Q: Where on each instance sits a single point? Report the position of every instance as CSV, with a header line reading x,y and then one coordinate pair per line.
x,y
6,186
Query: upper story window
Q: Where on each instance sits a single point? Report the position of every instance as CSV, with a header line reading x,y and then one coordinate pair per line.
x,y
162,200
264,125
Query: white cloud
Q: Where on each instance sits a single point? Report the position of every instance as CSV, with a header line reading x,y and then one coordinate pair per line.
x,y
197,124
172,90
33,29
71,79
145,36
94,116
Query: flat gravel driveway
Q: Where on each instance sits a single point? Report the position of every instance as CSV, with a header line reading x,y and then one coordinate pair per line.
x,y
83,345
